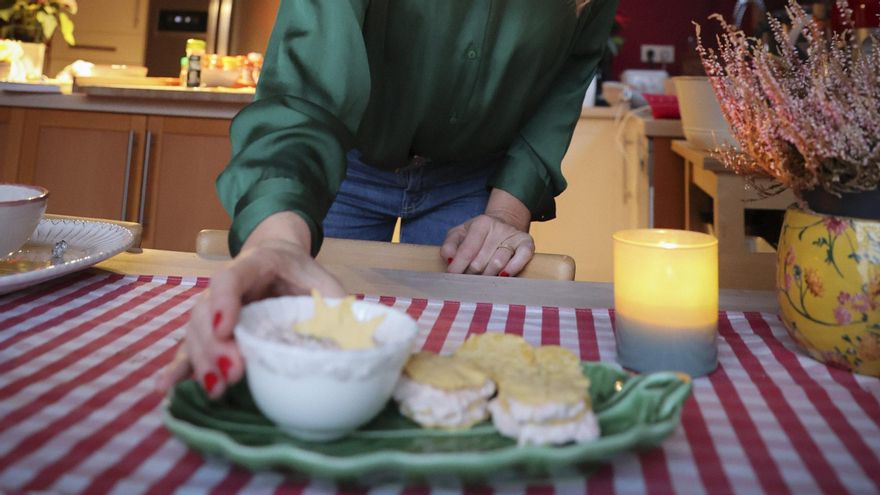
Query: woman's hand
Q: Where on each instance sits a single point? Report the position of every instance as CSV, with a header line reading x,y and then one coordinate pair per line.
x,y
275,261
494,243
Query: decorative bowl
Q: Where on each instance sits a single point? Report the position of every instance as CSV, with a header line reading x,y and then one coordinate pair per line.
x,y
828,286
703,123
312,391
21,207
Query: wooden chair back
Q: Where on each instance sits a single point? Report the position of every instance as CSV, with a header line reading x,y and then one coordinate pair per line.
x,y
213,244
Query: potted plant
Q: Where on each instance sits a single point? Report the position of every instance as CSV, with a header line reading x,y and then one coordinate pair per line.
x,y
808,116
10,51
33,23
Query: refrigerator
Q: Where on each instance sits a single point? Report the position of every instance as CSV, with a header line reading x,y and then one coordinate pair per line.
x,y
230,27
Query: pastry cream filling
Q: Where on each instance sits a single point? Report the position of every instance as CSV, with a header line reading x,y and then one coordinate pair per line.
x,y
434,407
580,428
540,413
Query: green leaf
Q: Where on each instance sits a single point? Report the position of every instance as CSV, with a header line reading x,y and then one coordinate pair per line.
x,y
5,14
49,24
67,28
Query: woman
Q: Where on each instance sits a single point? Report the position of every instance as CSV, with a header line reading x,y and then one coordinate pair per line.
x,y
457,114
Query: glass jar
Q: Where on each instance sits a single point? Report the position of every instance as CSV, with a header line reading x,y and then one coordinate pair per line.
x,y
195,53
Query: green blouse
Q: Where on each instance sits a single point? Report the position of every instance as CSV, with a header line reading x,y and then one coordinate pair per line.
x,y
451,80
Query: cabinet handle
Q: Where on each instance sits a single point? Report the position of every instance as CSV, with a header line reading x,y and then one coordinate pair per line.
x,y
127,173
147,149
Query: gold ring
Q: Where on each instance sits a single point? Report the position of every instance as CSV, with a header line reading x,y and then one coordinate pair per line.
x,y
505,246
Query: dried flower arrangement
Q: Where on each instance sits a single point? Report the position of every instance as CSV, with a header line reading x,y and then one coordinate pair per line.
x,y
811,119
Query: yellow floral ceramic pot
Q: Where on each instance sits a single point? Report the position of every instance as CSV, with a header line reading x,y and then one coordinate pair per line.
x,y
828,286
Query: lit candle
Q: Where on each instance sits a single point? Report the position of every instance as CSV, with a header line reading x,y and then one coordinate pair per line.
x,y
666,300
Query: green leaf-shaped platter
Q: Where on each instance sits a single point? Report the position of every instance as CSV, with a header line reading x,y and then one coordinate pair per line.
x,y
635,412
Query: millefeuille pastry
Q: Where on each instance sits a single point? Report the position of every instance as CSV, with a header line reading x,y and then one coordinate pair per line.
x,y
543,406
443,392
542,393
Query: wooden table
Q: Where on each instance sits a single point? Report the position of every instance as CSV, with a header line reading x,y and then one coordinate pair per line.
x,y
744,262
473,288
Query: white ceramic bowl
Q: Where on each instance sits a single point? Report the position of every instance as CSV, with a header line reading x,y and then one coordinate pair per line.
x,y
318,393
21,207
220,77
703,123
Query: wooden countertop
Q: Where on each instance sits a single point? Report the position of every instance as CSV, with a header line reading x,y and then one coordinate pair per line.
x,y
403,283
659,128
147,100
222,103
607,113
174,93
640,117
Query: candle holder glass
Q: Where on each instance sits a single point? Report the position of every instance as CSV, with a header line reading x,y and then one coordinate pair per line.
x,y
666,300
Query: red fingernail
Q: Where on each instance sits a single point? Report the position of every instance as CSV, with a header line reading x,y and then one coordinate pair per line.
x,y
218,317
504,274
209,381
449,260
223,364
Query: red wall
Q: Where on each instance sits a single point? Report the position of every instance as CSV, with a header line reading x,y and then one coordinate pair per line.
x,y
664,22
668,22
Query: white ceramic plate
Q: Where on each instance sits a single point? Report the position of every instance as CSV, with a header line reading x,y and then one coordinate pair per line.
x,y
87,243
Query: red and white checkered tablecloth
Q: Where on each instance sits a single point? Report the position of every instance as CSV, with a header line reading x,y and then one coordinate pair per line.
x,y
78,413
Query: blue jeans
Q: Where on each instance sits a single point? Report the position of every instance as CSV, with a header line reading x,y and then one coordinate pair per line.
x,y
429,200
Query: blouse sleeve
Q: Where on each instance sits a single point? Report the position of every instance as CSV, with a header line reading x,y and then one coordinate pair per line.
x,y
289,145
533,169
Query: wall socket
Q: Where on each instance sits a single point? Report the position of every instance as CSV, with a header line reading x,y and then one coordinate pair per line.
x,y
658,54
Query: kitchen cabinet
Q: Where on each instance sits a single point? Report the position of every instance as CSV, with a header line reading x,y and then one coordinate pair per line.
x,y
659,178
107,32
85,159
155,170
602,197
185,157
11,126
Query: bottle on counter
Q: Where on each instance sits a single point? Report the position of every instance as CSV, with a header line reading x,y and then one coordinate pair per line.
x,y
195,52
184,67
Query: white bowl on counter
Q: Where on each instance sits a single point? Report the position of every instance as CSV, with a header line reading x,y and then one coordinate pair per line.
x,y
21,207
315,392
220,77
703,123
